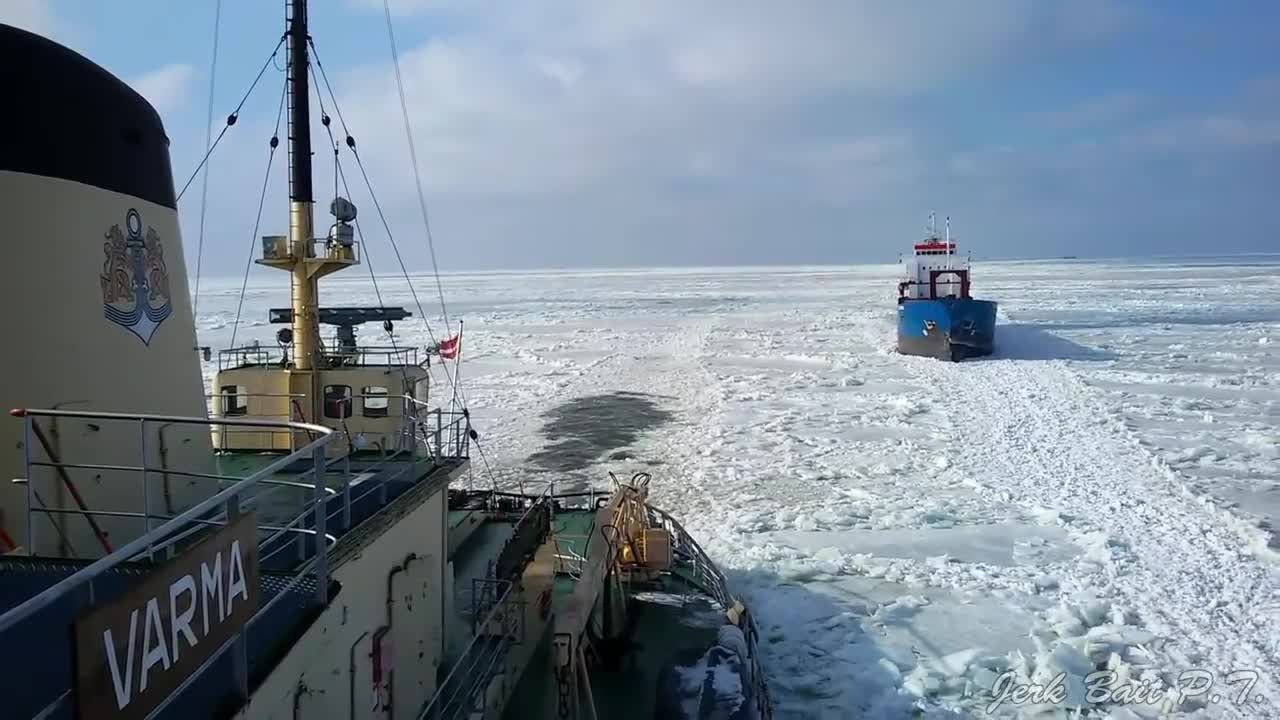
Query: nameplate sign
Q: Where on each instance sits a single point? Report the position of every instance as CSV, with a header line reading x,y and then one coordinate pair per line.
x,y
133,652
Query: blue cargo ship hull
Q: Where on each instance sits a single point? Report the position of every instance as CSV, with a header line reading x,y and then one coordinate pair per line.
x,y
947,328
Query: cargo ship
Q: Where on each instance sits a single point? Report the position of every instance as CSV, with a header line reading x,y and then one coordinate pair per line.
x,y
938,316
296,541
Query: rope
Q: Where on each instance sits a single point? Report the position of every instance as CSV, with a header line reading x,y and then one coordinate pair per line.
x,y
456,389
231,119
413,158
493,479
275,142
351,143
340,175
208,132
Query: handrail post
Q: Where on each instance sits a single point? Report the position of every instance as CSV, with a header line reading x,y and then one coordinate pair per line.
x,y
321,511
31,486
406,421
346,491
439,431
240,649
233,508
169,529
146,488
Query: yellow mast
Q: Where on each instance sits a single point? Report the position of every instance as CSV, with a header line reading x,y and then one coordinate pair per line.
x,y
303,290
299,256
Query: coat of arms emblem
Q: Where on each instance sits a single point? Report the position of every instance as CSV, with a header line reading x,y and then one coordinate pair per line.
x,y
135,281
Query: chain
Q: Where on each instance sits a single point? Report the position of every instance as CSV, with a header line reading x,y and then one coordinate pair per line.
x,y
562,688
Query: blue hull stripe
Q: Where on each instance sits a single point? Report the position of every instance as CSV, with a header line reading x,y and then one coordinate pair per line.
x,y
948,329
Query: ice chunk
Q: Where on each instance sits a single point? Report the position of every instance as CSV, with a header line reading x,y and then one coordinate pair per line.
x,y
1119,637
1046,582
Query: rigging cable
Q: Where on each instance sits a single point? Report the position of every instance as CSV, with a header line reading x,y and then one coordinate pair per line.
x,y
410,391
275,142
231,119
422,201
413,158
339,174
208,137
457,390
351,143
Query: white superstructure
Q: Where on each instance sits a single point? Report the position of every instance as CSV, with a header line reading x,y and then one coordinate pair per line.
x,y
935,257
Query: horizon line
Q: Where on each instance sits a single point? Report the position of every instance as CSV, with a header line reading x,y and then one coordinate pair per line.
x,y
789,266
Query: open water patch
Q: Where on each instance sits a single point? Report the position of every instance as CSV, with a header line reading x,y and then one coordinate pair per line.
x,y
588,429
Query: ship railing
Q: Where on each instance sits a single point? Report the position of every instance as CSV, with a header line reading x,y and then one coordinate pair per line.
x,y
463,691
230,405
257,355
440,436
324,247
373,355
164,535
708,577
433,430
248,356
444,433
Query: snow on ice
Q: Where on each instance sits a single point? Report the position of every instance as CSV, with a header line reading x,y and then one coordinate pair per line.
x,y
1084,521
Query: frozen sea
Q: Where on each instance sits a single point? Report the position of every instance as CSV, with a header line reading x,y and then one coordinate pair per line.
x,y
916,538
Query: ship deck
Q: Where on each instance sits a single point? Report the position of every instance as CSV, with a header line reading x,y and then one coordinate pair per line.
x,y
46,674
672,620
375,483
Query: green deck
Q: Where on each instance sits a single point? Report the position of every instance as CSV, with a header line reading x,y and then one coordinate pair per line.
x,y
664,633
672,622
457,516
572,533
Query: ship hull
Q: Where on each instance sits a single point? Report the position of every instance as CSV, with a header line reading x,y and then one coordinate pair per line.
x,y
946,329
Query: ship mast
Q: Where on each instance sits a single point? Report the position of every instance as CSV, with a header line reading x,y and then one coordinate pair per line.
x,y
297,253
303,286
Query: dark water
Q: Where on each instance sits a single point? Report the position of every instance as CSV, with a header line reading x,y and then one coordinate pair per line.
x,y
595,428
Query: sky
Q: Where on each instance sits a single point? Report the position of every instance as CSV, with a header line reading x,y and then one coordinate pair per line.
x,y
598,133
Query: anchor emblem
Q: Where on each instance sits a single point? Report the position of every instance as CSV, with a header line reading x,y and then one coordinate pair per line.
x,y
135,280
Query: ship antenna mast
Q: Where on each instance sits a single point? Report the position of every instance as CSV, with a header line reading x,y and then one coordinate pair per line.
x,y
297,253
303,287
948,241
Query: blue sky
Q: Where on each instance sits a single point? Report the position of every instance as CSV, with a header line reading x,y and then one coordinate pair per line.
x,y
574,133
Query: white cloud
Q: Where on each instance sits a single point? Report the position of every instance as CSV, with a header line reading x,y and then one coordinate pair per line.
x,y
32,15
564,95
38,16
1196,133
570,131
166,88
1093,112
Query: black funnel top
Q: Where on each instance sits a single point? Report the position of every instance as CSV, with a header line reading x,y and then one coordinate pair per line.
x,y
65,117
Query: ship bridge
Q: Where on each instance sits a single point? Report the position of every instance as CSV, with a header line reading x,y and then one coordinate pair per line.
x,y
935,270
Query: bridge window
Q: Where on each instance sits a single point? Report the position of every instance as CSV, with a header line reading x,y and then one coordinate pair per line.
x,y
337,401
374,401
235,400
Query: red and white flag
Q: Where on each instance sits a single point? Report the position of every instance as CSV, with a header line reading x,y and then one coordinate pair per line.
x,y
449,348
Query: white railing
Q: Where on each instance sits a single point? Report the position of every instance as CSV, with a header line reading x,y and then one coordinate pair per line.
x,y
161,532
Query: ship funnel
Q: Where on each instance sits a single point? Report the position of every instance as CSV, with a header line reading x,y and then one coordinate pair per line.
x,y
96,290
